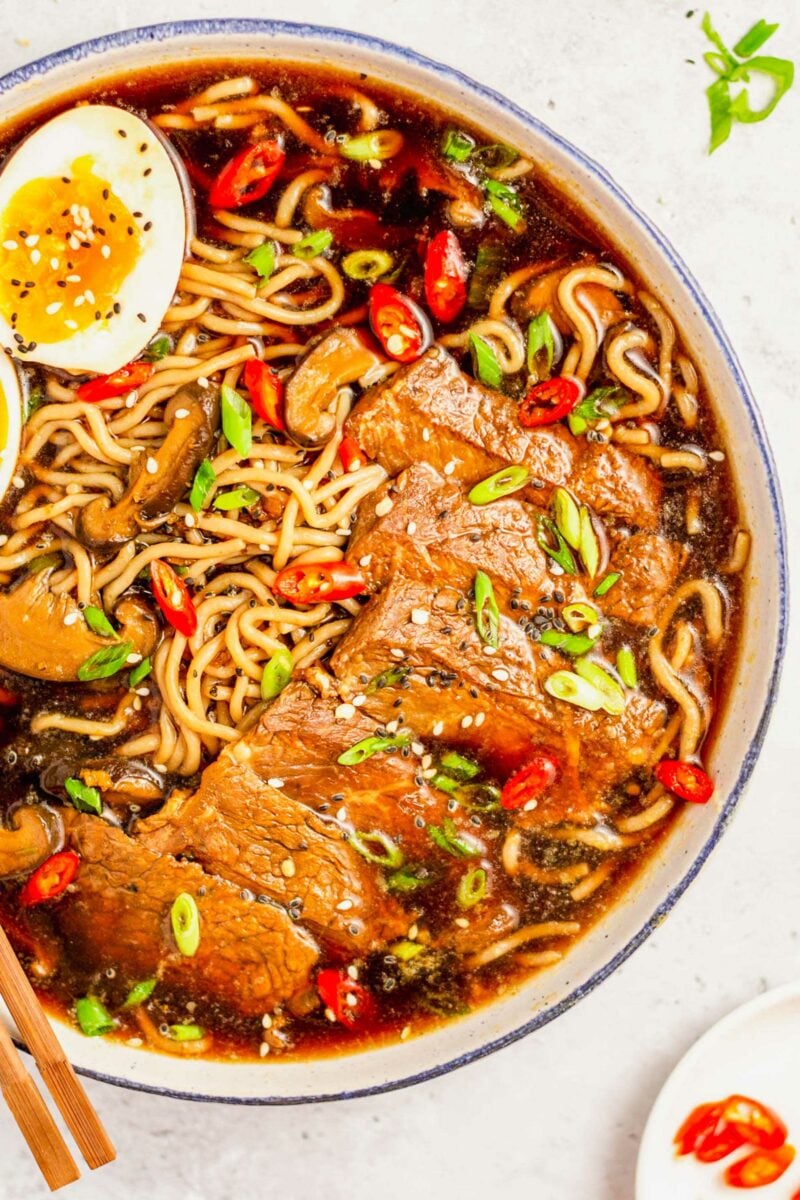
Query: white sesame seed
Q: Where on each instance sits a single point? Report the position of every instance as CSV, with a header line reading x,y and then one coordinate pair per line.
x,y
426,761
352,971
489,651
466,721
202,381
132,659
32,240
36,257
429,773
73,279
134,1042
143,691
190,520
405,1033
426,434
500,674
411,528
137,704
479,719
462,922
10,245
395,344
180,413
344,712
344,905
413,932
359,699
105,250
53,308
309,485
71,618
78,301
18,481
396,652
392,726
266,1021
341,814
263,1049
555,569
330,1015
717,455
89,294
275,782
595,630
438,729
152,466
420,616
161,768
288,868
449,467
417,748
365,560
530,805
72,325
54,264
130,399
384,506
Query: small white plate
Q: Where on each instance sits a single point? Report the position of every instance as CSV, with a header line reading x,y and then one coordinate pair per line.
x,y
755,1051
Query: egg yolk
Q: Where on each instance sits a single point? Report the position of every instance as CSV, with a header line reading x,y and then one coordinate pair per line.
x,y
68,245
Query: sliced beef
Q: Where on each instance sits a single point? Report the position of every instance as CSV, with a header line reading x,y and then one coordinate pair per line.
x,y
493,705
649,564
251,956
258,837
430,411
452,539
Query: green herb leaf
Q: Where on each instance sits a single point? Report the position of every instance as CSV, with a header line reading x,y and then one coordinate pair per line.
x,y
159,348
241,497
85,799
540,344
485,362
371,745
93,1017
139,993
605,585
140,672
105,662
237,420
754,39
98,622
204,479
262,259
312,244
276,674
457,145
487,613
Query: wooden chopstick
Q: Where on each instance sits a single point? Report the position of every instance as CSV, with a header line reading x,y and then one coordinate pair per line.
x,y
57,1073
33,1118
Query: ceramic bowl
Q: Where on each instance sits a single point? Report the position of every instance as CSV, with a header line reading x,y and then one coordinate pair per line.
x,y
763,632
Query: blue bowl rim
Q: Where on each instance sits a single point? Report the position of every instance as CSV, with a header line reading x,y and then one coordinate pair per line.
x,y
166,30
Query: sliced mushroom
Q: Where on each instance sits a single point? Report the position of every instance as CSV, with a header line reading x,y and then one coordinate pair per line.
x,y
340,357
32,835
45,635
122,781
157,482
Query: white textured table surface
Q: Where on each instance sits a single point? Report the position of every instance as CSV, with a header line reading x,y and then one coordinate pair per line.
x,y
557,1116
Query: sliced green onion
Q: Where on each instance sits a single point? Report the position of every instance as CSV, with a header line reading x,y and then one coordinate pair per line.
x,y
540,340
505,203
447,837
487,613
485,362
93,1017
262,259
388,678
589,545
547,531
379,145
84,798
105,662
35,399
611,692
240,497
754,38
781,73
471,888
367,265
237,420
369,746
312,244
479,797
488,263
204,479
718,95
140,672
495,156
408,879
139,993
599,403
159,348
185,920
605,585
406,950
568,643
567,516
392,856
579,616
566,685
459,766
43,562
502,483
457,145
276,674
186,1033
98,622
445,783
626,667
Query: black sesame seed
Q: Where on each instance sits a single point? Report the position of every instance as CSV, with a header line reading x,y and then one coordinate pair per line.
x,y
122,132
141,317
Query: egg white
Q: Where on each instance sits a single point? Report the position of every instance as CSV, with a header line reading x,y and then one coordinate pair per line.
x,y
161,195
11,399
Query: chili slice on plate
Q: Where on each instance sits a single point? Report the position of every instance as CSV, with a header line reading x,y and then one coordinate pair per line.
x,y
550,401
173,597
760,1168
445,276
685,780
758,1124
698,1122
308,583
398,323
248,175
266,392
51,879
105,387
531,781
348,1002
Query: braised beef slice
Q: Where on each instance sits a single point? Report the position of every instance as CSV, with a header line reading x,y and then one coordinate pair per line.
x,y
649,565
431,516
430,411
492,705
259,838
251,956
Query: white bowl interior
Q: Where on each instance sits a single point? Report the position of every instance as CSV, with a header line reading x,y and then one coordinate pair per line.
x,y
762,632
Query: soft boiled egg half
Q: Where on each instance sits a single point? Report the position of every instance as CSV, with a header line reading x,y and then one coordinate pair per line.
x,y
93,233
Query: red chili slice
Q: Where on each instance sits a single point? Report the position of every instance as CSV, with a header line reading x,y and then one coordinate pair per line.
x,y
173,597
350,1003
50,879
308,583
760,1168
539,773
445,276
126,379
758,1124
398,323
550,401
351,455
699,1121
9,699
248,175
718,1142
266,392
685,780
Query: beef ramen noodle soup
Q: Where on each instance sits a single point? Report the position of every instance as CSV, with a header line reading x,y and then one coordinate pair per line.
x,y
368,574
